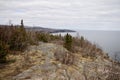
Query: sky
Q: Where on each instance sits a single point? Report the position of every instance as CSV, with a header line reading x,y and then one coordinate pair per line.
x,y
67,14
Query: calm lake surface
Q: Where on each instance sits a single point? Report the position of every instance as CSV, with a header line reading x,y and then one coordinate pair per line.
x,y
109,41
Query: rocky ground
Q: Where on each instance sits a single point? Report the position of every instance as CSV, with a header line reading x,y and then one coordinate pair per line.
x,y
43,64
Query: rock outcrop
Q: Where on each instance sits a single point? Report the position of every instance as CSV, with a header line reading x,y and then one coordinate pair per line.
x,y
53,62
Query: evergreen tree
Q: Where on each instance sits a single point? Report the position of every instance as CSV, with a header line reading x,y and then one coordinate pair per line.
x,y
68,42
22,25
81,41
19,38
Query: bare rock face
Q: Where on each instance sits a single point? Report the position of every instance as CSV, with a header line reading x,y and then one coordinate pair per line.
x,y
54,62
36,72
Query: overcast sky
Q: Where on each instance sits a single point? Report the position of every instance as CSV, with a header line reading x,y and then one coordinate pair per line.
x,y
71,14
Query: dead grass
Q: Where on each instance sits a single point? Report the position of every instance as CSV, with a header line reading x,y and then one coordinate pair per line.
x,y
21,63
11,69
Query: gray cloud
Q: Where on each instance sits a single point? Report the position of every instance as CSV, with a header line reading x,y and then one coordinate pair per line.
x,y
74,14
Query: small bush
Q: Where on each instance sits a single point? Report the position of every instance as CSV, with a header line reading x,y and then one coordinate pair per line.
x,y
3,52
32,39
42,36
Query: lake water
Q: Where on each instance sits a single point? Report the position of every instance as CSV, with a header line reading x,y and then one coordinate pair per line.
x,y
109,41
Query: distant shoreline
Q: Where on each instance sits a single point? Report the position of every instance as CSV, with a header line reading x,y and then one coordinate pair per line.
x,y
42,29
48,30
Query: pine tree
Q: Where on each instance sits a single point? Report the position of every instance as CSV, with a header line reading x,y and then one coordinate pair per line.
x,y
81,41
22,25
68,42
19,38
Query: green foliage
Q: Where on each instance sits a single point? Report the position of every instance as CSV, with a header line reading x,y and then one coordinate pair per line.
x,y
3,52
42,37
68,42
18,39
14,36
55,37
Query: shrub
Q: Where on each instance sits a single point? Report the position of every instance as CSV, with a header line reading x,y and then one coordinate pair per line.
x,y
32,39
42,36
14,36
18,39
68,42
81,41
3,52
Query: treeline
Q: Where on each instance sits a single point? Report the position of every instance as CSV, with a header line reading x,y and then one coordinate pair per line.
x,y
12,38
15,38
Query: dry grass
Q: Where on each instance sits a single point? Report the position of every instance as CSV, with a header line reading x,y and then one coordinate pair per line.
x,y
22,62
11,69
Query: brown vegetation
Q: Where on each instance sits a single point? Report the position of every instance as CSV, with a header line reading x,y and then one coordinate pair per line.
x,y
12,38
64,57
15,38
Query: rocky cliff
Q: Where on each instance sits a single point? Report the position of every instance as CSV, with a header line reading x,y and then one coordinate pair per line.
x,y
53,62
